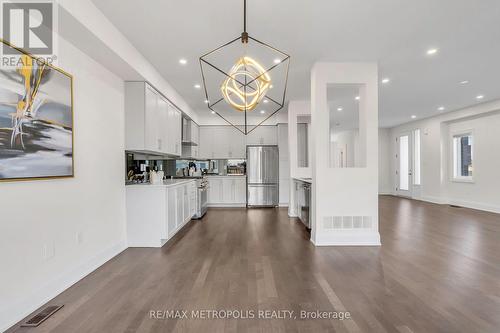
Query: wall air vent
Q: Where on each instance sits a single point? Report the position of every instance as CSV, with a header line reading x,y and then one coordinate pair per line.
x,y
347,222
41,316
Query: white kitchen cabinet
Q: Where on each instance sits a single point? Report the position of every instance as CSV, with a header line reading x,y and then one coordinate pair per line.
x,y
155,213
227,191
237,143
152,124
221,142
214,190
192,190
175,126
190,152
240,190
206,142
263,135
190,132
171,211
179,194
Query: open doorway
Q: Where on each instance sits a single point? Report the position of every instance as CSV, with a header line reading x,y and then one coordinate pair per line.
x,y
408,163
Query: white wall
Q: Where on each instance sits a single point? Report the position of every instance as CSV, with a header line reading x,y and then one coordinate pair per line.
x,y
436,132
384,161
347,195
284,165
52,212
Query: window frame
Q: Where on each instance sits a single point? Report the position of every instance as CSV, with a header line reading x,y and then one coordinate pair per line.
x,y
454,177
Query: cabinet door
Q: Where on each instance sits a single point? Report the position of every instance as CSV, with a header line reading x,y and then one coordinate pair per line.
x,y
180,206
178,137
205,145
163,126
220,143
215,190
263,135
228,190
152,140
187,208
195,132
171,212
236,140
192,199
240,190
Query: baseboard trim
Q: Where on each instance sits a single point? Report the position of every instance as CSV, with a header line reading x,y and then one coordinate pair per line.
x,y
39,297
348,239
465,204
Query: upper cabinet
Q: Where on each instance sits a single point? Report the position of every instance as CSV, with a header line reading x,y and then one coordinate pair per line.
x,y
152,124
221,142
263,135
190,132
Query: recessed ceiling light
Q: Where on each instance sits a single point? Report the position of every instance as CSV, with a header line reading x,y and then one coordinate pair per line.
x,y
197,86
206,101
213,112
441,108
479,96
262,111
266,101
386,80
271,86
356,98
413,117
464,82
277,61
183,61
432,51
339,109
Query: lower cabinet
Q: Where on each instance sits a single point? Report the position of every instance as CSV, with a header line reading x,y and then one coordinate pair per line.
x,y
227,191
156,213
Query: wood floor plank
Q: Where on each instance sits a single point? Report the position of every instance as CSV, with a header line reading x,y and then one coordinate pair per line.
x,y
437,271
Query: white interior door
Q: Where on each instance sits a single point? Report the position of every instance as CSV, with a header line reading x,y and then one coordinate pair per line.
x,y
404,164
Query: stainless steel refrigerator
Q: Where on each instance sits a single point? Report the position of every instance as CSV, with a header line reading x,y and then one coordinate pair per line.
x,y
262,176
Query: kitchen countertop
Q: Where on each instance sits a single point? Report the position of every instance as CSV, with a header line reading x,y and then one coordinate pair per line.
x,y
166,183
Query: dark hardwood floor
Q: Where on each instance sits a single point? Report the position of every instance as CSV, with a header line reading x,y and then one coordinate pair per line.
x,y
438,270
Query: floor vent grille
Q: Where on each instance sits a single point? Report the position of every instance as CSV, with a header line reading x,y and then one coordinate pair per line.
x,y
347,222
41,316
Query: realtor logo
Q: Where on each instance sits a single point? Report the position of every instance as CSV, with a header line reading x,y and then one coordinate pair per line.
x,y
29,26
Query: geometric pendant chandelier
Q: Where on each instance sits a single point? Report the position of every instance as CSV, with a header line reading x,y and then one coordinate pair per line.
x,y
245,80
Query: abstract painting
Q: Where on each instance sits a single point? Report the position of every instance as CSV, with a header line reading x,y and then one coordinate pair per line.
x,y
36,120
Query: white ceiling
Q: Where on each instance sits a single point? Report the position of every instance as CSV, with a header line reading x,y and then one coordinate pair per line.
x,y
395,33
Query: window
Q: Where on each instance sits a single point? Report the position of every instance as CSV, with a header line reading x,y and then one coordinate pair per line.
x,y
462,157
416,157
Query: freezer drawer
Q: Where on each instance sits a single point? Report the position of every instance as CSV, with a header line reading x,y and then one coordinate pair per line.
x,y
263,195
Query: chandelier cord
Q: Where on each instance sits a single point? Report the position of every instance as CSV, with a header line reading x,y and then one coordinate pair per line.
x,y
244,34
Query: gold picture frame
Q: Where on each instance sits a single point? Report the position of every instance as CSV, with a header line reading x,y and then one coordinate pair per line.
x,y
22,153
